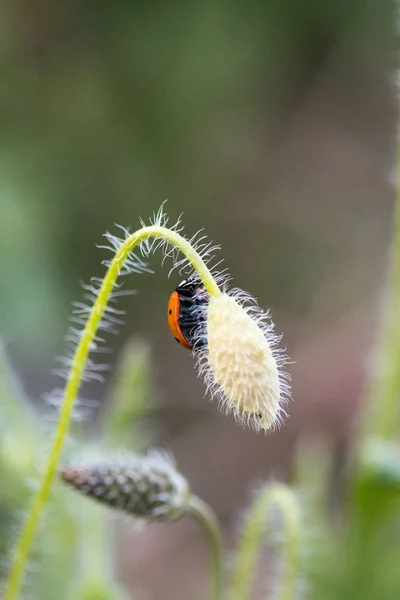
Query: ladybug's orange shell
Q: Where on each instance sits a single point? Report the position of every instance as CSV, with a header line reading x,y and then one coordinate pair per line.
x,y
173,319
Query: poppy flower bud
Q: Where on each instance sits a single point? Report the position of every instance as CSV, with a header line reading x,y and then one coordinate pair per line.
x,y
147,487
241,364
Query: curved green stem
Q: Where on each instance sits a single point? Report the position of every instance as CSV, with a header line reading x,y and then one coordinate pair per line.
x,y
274,495
14,581
209,523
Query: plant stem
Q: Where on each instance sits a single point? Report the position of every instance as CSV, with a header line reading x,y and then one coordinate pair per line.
x,y
76,372
95,544
203,514
257,521
382,418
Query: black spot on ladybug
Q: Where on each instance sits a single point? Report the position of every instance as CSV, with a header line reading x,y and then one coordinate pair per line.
x,y
170,312
177,340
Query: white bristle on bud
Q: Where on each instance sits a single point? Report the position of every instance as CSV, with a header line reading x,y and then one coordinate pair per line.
x,y
242,362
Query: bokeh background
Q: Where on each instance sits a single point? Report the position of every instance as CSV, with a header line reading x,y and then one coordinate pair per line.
x,y
271,125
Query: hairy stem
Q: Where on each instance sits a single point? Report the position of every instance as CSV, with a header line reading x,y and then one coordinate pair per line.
x,y
272,496
209,523
77,369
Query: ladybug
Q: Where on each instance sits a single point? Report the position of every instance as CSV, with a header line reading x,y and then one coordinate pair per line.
x,y
186,314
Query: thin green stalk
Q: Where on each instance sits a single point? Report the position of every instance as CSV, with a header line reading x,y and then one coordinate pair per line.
x,y
209,523
257,521
96,561
24,543
383,415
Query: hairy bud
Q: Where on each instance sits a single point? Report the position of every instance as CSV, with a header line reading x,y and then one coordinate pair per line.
x,y
241,365
147,487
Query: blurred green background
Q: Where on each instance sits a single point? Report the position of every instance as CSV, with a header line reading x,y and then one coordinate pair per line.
x,y
270,124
